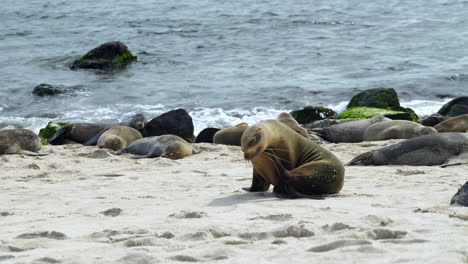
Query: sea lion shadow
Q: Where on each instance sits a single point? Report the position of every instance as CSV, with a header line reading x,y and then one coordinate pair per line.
x,y
246,197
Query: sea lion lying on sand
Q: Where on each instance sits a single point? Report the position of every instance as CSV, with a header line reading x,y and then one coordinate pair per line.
x,y
395,129
454,124
230,135
19,141
348,132
296,166
434,149
115,137
83,132
167,146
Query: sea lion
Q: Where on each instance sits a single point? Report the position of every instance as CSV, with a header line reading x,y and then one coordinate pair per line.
x,y
396,129
348,132
116,137
288,120
296,166
230,135
83,132
434,149
454,124
461,197
168,146
19,141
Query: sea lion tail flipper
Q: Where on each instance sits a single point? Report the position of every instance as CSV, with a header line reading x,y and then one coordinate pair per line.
x,y
33,154
364,159
93,141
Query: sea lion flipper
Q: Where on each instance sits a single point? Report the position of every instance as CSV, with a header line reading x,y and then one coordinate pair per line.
x,y
33,154
57,136
258,183
364,159
93,141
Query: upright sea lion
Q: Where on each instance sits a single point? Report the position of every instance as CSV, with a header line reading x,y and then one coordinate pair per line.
x,y
348,132
434,149
167,146
296,166
116,137
83,132
230,135
19,141
454,124
288,120
395,129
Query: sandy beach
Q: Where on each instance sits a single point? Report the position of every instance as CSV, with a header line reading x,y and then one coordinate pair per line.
x,y
84,205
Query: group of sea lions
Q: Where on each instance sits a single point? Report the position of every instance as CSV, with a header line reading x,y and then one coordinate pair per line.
x,y
280,150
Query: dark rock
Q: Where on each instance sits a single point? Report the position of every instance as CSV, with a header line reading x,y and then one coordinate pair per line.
x,y
377,98
456,107
432,120
110,55
176,122
206,135
461,197
310,114
45,89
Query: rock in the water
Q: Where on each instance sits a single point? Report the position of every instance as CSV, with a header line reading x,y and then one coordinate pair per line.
x,y
310,114
176,122
369,112
206,135
110,55
456,107
461,197
432,120
45,89
377,98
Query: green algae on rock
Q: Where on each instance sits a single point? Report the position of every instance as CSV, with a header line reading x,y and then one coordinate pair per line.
x,y
377,97
48,131
110,55
310,114
369,112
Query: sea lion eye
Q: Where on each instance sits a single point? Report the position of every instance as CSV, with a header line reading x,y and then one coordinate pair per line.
x,y
254,140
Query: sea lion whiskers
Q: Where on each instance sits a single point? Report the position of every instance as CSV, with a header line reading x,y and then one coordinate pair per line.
x,y
269,155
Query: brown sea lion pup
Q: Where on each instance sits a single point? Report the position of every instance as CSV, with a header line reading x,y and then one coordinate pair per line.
x,y
19,141
454,124
230,135
167,146
116,137
296,166
288,120
396,129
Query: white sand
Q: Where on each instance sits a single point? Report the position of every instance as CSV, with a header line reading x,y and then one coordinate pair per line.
x,y
194,210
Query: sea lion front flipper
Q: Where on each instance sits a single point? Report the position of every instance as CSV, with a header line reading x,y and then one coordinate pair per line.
x,y
32,154
57,137
258,183
93,141
156,152
285,189
364,159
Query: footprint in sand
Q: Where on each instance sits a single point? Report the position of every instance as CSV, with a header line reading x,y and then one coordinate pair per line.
x,y
137,259
274,217
378,234
112,212
336,227
184,258
338,244
188,215
44,234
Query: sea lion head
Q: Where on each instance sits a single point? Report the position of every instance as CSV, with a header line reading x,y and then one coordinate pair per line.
x,y
112,142
253,142
138,121
427,131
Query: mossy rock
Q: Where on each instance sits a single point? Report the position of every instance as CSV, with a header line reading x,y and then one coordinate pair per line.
x,y
310,114
48,131
456,107
110,55
369,112
412,116
377,98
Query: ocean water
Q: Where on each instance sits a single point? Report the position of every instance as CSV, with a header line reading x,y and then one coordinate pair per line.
x,y
228,62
